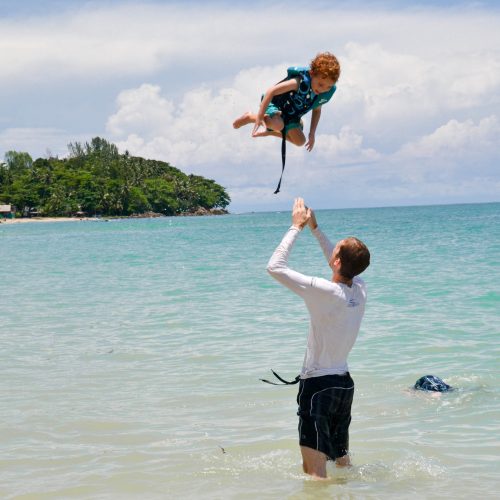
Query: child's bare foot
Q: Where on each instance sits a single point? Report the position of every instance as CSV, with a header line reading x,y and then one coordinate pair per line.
x,y
262,133
244,119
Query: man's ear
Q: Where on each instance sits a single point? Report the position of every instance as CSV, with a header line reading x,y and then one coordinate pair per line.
x,y
333,262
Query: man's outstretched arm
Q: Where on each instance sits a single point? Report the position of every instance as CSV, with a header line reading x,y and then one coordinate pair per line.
x,y
277,266
324,242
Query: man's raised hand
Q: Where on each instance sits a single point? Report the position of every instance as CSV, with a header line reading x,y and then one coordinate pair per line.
x,y
300,214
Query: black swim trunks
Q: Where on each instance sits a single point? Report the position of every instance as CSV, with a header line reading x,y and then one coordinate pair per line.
x,y
325,413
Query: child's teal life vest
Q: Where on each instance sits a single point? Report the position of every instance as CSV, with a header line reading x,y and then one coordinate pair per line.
x,y
295,104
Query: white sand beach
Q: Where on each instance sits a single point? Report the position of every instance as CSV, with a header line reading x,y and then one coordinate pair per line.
x,y
25,220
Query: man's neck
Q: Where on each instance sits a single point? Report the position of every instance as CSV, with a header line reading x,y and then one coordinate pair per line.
x,y
338,278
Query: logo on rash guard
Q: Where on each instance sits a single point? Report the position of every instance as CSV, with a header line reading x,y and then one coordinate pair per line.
x,y
352,303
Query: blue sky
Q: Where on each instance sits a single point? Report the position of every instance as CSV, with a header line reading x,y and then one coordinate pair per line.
x,y
415,120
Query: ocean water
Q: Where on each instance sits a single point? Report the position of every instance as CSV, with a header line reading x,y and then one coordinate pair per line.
x,y
131,352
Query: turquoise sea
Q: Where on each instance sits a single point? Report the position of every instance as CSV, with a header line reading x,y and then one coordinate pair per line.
x,y
131,352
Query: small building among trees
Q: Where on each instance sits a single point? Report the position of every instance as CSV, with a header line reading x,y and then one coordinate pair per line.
x,y
30,212
7,211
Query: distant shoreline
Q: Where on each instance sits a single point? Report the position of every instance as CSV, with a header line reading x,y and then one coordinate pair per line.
x,y
24,220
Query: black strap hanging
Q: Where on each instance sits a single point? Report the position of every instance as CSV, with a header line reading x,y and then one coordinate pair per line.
x,y
283,158
292,110
285,382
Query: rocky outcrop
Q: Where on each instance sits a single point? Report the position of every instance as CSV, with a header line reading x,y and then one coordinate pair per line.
x,y
146,215
204,211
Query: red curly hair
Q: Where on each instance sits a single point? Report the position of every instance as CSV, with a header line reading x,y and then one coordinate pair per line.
x,y
326,65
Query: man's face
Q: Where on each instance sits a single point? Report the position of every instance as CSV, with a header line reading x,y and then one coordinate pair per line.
x,y
321,84
335,254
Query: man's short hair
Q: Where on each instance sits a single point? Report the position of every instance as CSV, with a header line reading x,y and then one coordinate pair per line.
x,y
354,257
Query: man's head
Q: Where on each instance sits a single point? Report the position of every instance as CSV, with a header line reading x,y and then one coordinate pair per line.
x,y
350,257
432,383
325,71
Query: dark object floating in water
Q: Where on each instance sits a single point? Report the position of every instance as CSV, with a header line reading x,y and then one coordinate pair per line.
x,y
432,383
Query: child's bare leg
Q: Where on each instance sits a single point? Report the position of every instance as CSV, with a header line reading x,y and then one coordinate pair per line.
x,y
274,126
266,133
244,119
274,122
296,136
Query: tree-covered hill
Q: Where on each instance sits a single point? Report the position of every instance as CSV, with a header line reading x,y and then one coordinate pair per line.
x,y
96,179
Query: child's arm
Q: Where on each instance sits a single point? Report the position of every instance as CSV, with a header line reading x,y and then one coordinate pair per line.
x,y
278,89
316,115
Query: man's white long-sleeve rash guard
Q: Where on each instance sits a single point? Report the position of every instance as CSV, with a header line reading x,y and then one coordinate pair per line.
x,y
335,309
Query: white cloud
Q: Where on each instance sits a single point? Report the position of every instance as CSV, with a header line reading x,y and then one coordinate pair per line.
x,y
457,140
393,96
134,39
410,101
345,148
141,111
141,38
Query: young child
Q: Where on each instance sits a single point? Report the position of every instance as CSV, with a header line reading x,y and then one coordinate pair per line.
x,y
284,104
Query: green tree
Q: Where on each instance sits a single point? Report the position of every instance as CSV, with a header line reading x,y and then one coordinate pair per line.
x,y
209,194
138,202
97,146
97,179
18,162
5,180
161,196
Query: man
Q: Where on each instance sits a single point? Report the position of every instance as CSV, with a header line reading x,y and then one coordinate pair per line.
x,y
336,309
